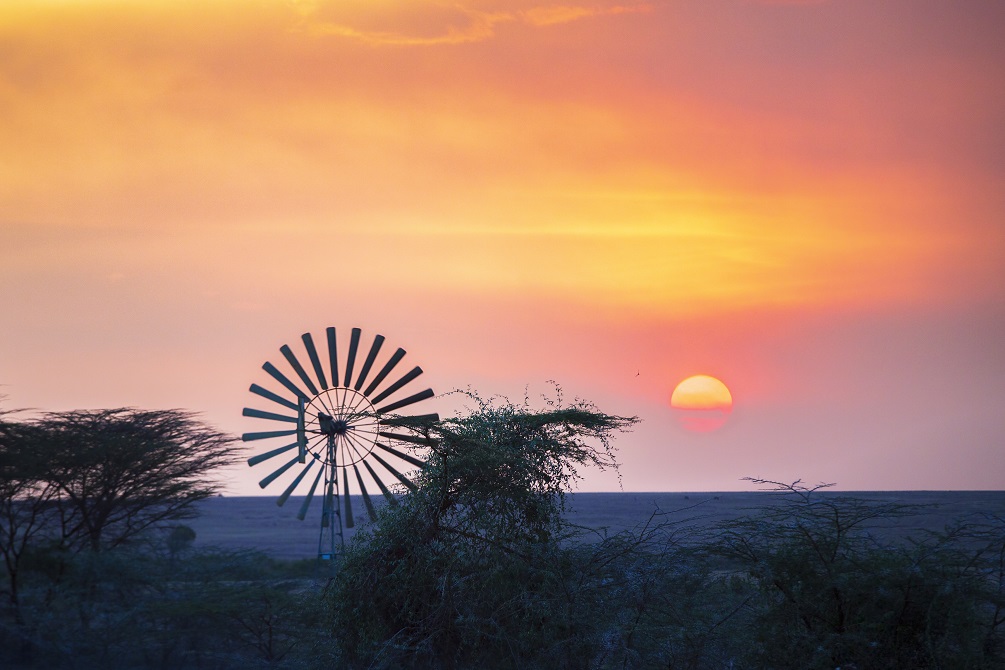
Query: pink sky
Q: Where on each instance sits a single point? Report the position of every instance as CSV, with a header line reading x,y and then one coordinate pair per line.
x,y
803,199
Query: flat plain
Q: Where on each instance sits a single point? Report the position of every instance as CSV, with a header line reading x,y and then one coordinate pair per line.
x,y
257,523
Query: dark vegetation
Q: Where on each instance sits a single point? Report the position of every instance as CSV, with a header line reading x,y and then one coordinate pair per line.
x,y
479,568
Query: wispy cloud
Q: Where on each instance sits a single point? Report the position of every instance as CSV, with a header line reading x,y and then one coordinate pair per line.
x,y
555,14
474,25
479,26
787,2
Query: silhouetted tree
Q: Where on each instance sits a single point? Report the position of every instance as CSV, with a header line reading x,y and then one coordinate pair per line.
x,y
26,496
832,593
120,472
471,569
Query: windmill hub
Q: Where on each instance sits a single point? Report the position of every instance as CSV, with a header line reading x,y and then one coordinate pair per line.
x,y
331,426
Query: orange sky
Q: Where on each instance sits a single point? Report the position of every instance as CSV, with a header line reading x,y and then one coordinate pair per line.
x,y
801,198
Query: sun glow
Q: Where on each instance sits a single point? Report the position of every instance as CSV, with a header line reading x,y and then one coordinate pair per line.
x,y
702,403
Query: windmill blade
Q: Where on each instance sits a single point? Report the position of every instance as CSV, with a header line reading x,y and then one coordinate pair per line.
x,y
312,353
366,496
289,489
332,354
268,480
265,393
419,463
421,395
255,460
351,360
391,500
409,376
349,522
310,495
398,355
259,414
250,437
401,478
281,378
422,441
295,364
418,419
368,363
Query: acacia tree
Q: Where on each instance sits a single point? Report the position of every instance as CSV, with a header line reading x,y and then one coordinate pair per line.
x,y
25,500
119,472
473,568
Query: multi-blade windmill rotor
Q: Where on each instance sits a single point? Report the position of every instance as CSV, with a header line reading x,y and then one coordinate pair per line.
x,y
336,421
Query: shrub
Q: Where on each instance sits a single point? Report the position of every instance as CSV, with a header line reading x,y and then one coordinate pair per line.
x,y
832,595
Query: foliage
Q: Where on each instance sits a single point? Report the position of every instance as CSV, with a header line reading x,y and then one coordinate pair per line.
x,y
119,472
26,497
470,569
90,481
131,608
180,539
477,567
832,595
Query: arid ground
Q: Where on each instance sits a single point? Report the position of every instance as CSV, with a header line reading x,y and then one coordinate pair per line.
x,y
258,523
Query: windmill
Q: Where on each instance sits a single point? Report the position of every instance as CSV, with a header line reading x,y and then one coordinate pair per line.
x,y
335,423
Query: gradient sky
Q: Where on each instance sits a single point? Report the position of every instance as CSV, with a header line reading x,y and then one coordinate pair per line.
x,y
804,199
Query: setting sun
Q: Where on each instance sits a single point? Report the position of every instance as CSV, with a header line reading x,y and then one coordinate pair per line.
x,y
702,403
